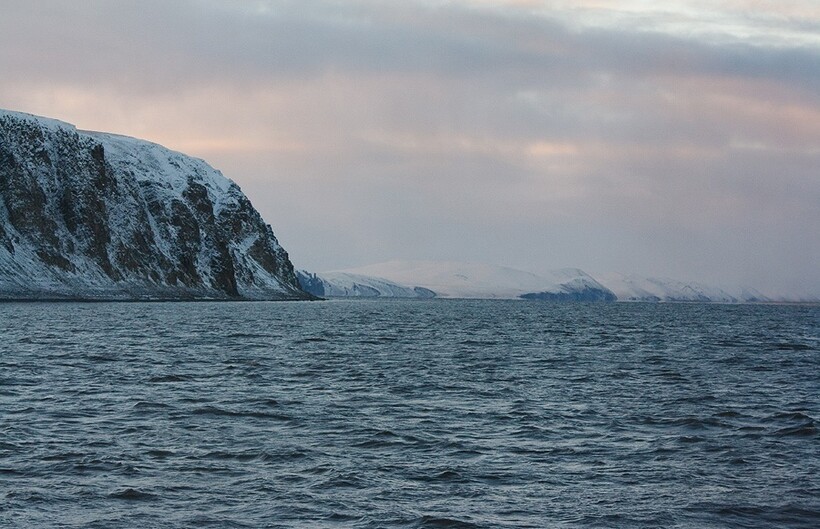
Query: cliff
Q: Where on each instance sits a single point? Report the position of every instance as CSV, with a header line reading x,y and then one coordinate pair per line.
x,y
87,215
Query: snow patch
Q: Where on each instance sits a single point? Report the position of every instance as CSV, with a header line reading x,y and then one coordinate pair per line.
x,y
89,214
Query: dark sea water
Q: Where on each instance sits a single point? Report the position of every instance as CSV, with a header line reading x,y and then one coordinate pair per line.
x,y
409,414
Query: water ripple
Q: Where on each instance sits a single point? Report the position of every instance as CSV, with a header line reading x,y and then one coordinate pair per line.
x,y
434,414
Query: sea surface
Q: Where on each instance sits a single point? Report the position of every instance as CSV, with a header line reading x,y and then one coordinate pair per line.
x,y
414,414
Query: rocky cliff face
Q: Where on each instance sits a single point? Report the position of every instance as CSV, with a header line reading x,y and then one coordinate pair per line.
x,y
97,216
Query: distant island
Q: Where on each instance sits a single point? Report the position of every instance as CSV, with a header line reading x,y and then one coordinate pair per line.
x,y
425,279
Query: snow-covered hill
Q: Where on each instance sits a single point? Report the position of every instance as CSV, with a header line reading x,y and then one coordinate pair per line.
x,y
412,279
99,216
472,280
636,288
345,285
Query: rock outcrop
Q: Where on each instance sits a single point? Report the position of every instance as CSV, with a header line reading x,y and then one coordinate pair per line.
x,y
87,215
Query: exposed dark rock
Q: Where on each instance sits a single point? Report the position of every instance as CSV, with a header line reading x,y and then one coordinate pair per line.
x,y
311,283
342,285
587,294
98,216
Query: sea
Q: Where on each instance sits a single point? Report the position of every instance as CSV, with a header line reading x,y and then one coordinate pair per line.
x,y
409,414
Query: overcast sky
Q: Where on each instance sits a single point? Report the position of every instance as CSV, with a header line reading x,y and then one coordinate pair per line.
x,y
676,139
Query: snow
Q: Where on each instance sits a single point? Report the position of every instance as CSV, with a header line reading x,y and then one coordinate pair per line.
x,y
638,288
457,280
46,123
152,162
142,184
450,279
343,284
147,171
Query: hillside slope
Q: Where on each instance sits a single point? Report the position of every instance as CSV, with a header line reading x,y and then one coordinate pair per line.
x,y
88,215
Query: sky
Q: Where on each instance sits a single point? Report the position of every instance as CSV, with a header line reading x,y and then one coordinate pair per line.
x,y
676,139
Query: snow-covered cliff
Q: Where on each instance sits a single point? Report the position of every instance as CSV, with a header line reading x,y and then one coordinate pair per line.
x,y
89,215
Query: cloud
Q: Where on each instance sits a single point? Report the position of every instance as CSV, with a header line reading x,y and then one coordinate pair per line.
x,y
536,134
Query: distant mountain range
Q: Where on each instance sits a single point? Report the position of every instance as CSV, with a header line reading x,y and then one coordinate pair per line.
x,y
425,279
454,280
636,288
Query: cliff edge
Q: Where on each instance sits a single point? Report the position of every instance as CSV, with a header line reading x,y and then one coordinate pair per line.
x,y
88,215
